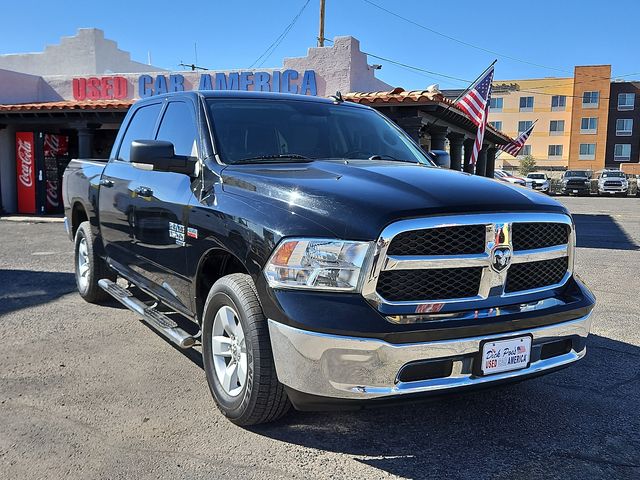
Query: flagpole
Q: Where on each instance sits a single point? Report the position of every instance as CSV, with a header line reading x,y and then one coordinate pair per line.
x,y
463,92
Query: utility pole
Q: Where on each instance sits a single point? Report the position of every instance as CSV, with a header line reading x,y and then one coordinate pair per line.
x,y
321,32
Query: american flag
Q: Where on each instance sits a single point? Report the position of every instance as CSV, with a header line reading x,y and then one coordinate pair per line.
x,y
475,103
514,148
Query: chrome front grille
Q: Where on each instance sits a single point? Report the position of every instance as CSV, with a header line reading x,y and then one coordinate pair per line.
x,y
430,284
528,236
464,239
529,276
440,260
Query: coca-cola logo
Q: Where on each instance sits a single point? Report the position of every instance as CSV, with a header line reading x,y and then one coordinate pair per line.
x,y
52,194
25,157
51,145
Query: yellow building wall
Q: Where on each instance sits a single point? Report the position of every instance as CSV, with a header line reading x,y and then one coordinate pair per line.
x,y
542,90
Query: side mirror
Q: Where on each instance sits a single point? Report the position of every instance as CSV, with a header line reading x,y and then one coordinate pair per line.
x,y
160,155
441,158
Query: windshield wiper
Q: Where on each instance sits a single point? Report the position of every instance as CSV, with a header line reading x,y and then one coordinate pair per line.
x,y
390,157
294,157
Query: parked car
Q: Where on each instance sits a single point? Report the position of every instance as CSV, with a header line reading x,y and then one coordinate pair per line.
x,y
540,181
613,182
507,177
318,256
576,182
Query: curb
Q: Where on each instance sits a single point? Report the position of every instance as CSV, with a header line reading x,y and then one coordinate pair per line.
x,y
31,219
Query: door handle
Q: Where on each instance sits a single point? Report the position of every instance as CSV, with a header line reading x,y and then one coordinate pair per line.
x,y
104,182
144,192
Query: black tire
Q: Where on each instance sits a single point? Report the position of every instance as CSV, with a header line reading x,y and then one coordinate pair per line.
x,y
90,290
262,397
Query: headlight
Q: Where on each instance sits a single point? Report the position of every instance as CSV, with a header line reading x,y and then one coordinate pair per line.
x,y
317,264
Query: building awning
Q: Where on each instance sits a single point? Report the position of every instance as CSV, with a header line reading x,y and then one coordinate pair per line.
x,y
69,105
398,97
65,112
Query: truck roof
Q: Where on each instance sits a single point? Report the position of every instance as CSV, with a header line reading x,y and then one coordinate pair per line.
x,y
243,94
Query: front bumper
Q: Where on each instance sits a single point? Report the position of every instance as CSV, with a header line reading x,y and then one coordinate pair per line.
x,y
576,189
357,368
613,189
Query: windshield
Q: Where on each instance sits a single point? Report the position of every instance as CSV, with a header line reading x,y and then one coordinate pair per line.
x,y
576,173
537,176
612,174
262,130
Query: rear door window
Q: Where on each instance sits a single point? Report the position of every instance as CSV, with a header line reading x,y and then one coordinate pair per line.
x,y
141,127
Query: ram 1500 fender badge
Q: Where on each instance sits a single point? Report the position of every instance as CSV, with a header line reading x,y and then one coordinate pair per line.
x,y
501,258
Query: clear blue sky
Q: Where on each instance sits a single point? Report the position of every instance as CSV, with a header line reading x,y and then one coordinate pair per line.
x,y
233,34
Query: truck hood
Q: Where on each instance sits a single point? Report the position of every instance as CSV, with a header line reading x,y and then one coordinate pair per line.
x,y
356,199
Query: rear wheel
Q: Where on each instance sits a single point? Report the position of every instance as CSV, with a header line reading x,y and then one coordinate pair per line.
x,y
89,266
237,354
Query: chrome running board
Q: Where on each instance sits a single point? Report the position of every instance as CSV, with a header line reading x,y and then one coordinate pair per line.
x,y
155,319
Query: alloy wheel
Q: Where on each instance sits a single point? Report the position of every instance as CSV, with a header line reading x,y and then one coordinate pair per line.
x,y
229,351
84,267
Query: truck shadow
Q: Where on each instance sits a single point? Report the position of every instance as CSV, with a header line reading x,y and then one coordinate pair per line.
x,y
602,231
581,422
26,288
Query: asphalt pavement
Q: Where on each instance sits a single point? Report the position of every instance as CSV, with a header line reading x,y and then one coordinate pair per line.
x,y
88,391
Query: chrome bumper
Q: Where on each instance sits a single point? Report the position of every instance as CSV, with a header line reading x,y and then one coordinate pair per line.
x,y
363,368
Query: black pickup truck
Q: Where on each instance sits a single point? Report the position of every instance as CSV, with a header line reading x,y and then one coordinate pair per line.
x,y
319,256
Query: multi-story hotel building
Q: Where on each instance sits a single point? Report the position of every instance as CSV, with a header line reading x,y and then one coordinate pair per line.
x,y
589,117
623,132
584,122
516,104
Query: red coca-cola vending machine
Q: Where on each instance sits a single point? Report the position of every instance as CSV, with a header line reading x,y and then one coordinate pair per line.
x,y
40,162
26,171
56,158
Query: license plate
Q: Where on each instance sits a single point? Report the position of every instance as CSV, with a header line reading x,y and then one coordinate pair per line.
x,y
575,191
506,355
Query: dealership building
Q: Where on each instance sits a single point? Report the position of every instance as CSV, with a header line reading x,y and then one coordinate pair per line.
x,y
70,99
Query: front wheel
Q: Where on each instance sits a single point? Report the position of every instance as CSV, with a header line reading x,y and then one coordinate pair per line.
x,y
237,355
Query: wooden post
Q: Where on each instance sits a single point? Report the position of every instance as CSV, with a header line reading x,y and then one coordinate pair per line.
x,y
321,32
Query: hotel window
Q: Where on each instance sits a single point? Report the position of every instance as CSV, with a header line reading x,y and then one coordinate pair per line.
x,y
587,151
558,103
622,152
626,101
588,125
556,127
526,150
524,125
624,127
497,125
526,104
555,150
590,99
495,104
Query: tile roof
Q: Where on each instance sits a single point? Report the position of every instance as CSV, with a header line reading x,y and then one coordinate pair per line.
x,y
69,105
399,96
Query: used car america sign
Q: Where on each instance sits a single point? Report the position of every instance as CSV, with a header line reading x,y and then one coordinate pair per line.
x,y
118,87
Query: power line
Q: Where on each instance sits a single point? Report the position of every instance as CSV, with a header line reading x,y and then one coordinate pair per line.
x,y
276,43
477,47
444,75
461,42
464,81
